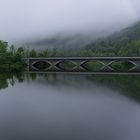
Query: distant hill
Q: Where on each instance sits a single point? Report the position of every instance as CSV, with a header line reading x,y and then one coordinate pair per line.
x,y
61,43
124,43
66,41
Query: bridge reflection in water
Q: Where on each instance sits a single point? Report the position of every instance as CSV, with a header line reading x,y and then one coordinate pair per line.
x,y
84,65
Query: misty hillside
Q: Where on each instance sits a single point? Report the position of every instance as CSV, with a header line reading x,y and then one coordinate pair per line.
x,y
61,43
66,42
124,43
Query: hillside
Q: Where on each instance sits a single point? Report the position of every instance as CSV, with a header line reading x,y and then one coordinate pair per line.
x,y
61,42
124,43
66,41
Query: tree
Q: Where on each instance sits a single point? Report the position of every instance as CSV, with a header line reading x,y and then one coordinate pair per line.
x,y
32,53
3,47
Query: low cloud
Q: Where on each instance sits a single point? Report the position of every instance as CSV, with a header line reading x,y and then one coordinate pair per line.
x,y
22,19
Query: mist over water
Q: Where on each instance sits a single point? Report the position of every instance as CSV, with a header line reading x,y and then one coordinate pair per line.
x,y
36,19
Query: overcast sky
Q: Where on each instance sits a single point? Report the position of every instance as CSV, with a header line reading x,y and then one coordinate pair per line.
x,y
20,19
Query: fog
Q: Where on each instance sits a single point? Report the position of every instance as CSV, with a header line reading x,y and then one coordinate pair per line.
x,y
26,19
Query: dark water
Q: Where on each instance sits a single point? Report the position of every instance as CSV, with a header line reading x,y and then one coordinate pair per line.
x,y
69,107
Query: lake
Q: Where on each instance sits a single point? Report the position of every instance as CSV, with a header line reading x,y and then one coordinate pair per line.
x,y
69,107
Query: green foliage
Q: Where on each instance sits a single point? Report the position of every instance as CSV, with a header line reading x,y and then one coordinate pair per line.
x,y
10,57
122,66
3,47
93,65
124,43
33,53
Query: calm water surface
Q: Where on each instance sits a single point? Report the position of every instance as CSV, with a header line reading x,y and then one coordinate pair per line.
x,y
67,107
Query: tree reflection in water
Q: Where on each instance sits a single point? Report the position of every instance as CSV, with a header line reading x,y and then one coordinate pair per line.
x,y
128,85
10,78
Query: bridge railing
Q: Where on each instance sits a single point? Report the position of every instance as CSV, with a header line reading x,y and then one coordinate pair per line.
x,y
84,64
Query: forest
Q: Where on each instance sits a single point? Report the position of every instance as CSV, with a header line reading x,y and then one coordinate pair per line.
x,y
124,43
